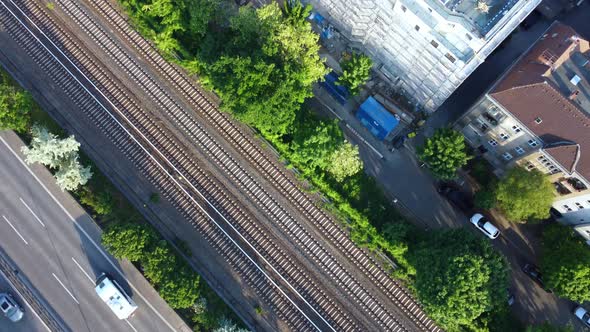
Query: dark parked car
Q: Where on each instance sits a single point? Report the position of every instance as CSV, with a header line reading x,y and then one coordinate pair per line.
x,y
534,273
460,199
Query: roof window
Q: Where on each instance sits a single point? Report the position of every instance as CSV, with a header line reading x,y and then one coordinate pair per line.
x,y
538,120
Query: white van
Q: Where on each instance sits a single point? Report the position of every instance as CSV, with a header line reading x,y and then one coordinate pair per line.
x,y
115,297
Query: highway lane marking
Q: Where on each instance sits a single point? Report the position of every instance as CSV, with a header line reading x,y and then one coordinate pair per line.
x,y
17,233
133,328
81,269
30,210
24,300
98,248
64,286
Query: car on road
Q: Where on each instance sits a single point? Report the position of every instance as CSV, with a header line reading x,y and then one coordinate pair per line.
x,y
113,295
534,273
486,227
460,199
10,308
582,315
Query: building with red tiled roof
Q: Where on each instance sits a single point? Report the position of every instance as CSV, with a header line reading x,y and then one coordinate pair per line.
x,y
537,115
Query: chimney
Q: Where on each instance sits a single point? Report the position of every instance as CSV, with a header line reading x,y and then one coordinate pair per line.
x,y
574,95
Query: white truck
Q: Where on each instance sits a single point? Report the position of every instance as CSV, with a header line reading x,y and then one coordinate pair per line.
x,y
115,297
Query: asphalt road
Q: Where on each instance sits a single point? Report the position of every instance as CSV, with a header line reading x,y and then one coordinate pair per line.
x,y
57,250
30,321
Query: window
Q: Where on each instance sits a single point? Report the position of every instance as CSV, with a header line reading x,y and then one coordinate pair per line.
x,y
468,36
504,136
433,43
533,143
567,208
538,120
579,206
519,150
516,129
530,166
404,9
493,142
507,155
417,27
450,57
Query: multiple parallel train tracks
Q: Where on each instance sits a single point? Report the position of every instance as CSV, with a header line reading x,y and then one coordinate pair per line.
x,y
247,247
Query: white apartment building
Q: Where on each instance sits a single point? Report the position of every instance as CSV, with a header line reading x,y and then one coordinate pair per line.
x,y
537,115
426,47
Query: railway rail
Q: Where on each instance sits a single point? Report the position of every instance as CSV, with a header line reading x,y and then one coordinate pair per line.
x,y
272,172
197,177
158,174
194,175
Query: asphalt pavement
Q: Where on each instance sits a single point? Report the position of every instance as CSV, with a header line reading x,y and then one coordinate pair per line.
x,y
56,245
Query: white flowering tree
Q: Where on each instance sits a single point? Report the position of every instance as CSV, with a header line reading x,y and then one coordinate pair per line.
x,y
345,162
226,325
58,154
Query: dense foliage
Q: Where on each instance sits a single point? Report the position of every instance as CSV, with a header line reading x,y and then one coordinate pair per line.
x,y
565,263
459,278
444,153
176,282
15,106
58,154
524,195
356,71
262,63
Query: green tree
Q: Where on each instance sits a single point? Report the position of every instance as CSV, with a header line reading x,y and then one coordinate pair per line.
x,y
314,142
102,202
444,153
296,13
15,106
356,71
345,162
524,195
485,198
565,263
130,241
58,154
267,68
459,277
176,282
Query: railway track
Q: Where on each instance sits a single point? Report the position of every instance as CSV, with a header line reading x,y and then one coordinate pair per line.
x,y
312,247
272,172
197,177
159,175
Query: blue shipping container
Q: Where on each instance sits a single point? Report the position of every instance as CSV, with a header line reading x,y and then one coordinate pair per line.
x,y
376,118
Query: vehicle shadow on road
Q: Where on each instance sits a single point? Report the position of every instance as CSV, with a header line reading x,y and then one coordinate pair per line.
x,y
96,257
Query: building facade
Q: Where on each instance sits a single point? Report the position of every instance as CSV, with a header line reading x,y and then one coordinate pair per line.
x,y
537,116
426,47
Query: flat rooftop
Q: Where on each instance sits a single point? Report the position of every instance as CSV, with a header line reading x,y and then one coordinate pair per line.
x,y
484,14
576,69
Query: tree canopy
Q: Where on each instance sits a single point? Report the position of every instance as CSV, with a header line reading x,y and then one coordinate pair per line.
x,y
356,71
524,195
565,263
459,277
266,68
15,106
131,241
444,153
345,162
58,154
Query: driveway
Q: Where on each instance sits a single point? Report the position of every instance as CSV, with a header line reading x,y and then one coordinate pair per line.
x,y
413,188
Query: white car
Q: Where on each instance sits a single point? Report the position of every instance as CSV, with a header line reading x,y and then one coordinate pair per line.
x,y
485,226
583,315
10,308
